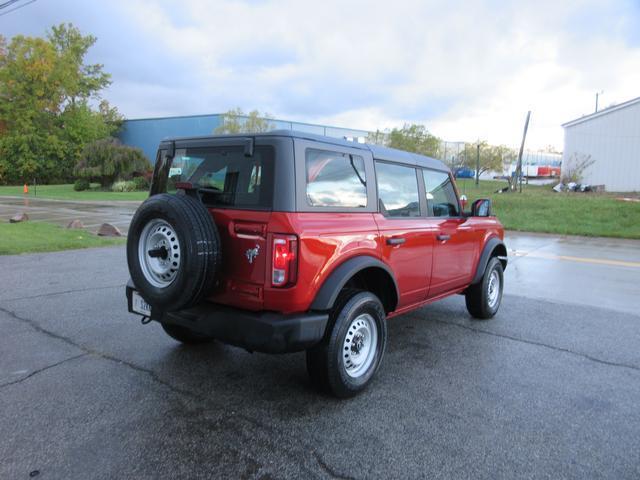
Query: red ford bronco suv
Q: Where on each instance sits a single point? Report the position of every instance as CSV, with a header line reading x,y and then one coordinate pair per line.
x,y
286,241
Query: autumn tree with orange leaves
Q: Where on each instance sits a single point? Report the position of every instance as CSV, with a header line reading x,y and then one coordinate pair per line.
x,y
50,105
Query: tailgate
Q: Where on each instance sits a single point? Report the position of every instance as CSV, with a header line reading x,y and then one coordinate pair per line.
x,y
241,278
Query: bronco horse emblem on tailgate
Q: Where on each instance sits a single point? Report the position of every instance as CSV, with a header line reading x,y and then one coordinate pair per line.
x,y
252,253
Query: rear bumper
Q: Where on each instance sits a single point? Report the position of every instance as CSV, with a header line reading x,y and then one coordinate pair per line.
x,y
267,332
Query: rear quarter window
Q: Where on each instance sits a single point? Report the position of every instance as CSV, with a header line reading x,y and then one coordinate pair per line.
x,y
335,179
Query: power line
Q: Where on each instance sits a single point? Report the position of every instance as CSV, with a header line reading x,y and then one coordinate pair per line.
x,y
6,4
16,8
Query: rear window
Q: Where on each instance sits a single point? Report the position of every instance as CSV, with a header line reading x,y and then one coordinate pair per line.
x,y
225,177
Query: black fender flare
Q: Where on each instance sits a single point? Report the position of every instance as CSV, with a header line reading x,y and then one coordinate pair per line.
x,y
487,253
328,293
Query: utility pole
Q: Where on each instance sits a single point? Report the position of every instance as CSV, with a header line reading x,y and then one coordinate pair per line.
x,y
524,136
597,96
478,164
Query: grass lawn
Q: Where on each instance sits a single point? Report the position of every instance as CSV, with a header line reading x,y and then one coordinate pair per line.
x,y
536,209
66,192
31,237
539,209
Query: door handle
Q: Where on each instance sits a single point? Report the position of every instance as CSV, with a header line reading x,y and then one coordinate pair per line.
x,y
395,241
443,237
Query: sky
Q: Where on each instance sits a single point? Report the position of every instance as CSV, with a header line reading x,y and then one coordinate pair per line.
x,y
468,70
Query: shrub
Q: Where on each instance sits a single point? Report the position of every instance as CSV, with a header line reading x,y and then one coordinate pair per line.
x,y
106,160
81,184
124,186
141,183
575,167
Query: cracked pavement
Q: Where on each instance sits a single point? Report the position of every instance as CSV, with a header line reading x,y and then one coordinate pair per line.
x,y
549,388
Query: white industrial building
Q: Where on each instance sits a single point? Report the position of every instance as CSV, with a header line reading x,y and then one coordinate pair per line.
x,y
611,137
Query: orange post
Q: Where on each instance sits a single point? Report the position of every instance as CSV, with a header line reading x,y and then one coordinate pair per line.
x,y
25,190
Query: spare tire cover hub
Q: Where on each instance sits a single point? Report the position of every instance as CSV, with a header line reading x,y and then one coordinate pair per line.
x,y
159,253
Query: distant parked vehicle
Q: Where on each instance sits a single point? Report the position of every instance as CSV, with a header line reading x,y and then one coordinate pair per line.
x,y
464,172
538,165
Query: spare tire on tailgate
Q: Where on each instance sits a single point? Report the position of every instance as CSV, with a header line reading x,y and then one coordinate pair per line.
x,y
173,251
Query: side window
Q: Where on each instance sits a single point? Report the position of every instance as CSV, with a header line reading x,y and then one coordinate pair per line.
x,y
335,179
398,190
441,196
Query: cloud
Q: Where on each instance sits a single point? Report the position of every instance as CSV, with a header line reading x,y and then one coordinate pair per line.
x,y
467,69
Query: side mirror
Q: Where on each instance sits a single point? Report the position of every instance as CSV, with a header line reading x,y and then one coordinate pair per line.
x,y
463,201
481,208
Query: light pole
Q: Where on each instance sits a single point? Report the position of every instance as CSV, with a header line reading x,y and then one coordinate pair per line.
x,y
478,164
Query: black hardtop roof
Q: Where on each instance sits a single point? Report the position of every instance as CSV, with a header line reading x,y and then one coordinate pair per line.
x,y
378,152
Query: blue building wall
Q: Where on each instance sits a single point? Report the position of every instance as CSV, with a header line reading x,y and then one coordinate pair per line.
x,y
146,133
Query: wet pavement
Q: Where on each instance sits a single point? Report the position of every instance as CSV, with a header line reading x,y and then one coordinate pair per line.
x,y
547,389
61,212
598,272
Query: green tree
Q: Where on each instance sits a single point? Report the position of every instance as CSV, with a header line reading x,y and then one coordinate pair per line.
x,y
493,158
377,138
236,121
46,96
107,160
415,138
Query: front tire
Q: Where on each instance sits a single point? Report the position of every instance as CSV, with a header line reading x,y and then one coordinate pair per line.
x,y
350,354
483,299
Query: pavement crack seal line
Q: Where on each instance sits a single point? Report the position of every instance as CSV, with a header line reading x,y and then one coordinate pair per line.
x,y
540,344
328,469
39,370
88,351
270,430
64,292
155,377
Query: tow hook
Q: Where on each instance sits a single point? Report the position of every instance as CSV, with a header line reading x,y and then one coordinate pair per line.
x,y
145,320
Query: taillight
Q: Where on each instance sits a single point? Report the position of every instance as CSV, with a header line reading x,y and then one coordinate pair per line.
x,y
284,260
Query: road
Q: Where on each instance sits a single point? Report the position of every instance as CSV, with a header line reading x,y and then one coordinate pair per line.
x,y
547,389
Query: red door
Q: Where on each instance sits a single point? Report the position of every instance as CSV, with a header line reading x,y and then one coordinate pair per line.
x,y
455,238
406,240
407,246
453,254
244,240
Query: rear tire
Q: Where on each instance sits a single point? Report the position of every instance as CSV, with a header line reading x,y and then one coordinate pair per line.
x,y
184,335
483,299
346,360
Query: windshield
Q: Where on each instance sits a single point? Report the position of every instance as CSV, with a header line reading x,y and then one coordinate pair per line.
x,y
225,176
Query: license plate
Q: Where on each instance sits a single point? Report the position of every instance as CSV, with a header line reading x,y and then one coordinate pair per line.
x,y
138,305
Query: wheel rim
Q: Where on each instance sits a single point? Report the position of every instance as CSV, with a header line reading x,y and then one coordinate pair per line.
x,y
493,289
159,253
360,345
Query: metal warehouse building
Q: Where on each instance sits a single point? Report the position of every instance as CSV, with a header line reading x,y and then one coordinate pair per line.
x,y
146,133
611,137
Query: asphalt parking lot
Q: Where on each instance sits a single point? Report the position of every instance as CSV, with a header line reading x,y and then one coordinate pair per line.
x,y
61,212
548,389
